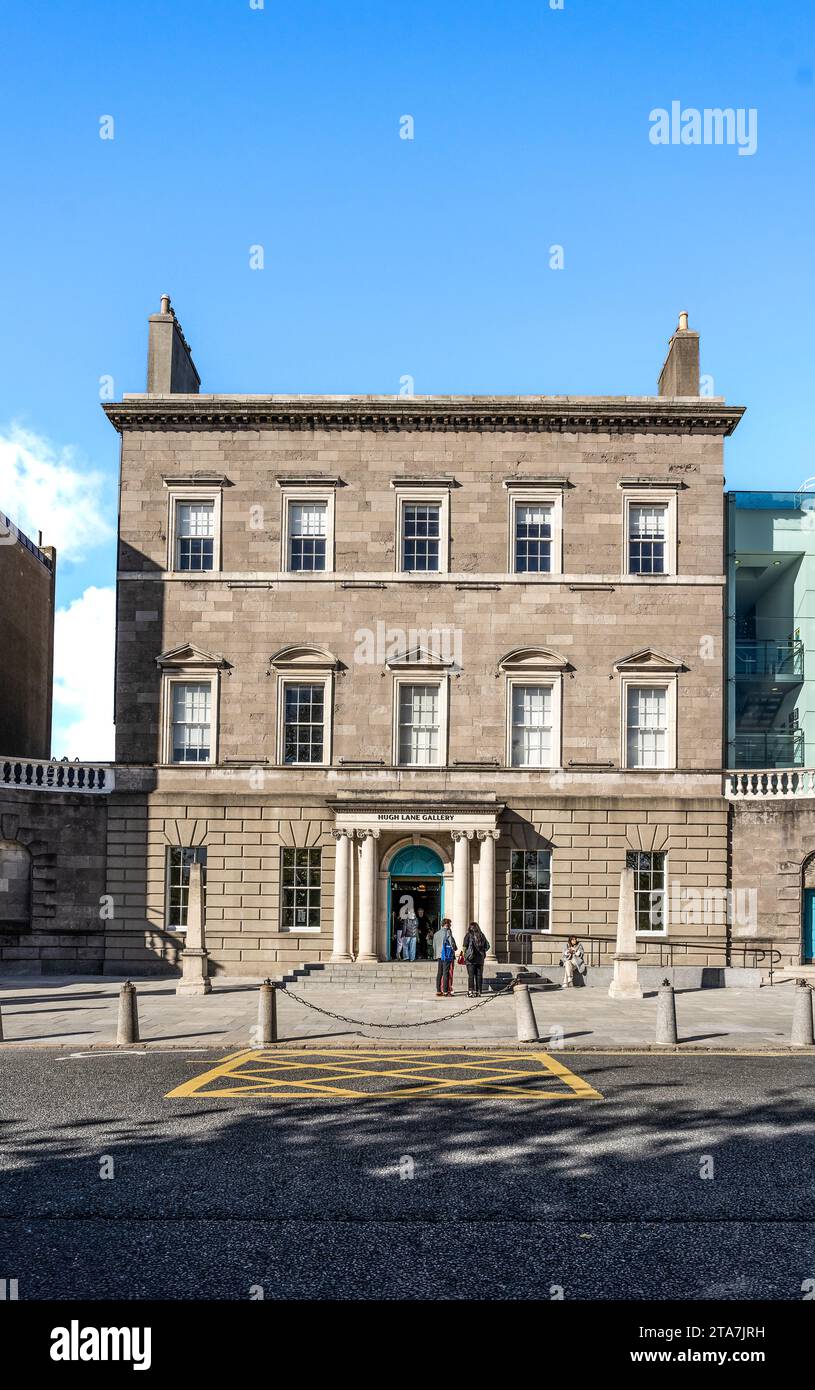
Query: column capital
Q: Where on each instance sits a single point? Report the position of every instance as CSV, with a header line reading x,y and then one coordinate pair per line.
x,y
459,834
339,831
489,834
372,834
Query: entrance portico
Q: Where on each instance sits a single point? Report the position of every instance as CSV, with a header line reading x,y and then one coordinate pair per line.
x,y
369,836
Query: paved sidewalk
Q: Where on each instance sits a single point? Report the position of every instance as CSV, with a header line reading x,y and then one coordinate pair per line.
x,y
81,1013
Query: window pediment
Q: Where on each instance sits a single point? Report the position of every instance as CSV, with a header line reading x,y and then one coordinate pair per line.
x,y
649,660
533,659
419,659
186,656
295,657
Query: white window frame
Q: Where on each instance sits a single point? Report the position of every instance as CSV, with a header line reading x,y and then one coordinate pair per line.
x,y
183,495
432,497
295,930
189,676
542,497
168,926
652,499
538,931
653,932
645,680
306,676
303,496
443,685
555,684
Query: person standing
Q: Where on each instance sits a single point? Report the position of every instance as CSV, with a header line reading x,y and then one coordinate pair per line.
x,y
573,959
444,950
410,930
476,947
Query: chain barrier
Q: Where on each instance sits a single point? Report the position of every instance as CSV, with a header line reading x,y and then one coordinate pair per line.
x,y
422,1023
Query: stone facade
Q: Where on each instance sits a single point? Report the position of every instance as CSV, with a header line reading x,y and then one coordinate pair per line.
x,y
27,576
249,625
53,849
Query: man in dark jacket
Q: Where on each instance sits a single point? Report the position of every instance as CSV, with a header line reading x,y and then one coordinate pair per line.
x,y
444,951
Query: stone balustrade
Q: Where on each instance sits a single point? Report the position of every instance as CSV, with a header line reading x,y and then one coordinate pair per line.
x,y
32,774
770,784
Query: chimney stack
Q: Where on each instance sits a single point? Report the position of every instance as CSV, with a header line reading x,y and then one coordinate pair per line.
x,y
680,372
170,368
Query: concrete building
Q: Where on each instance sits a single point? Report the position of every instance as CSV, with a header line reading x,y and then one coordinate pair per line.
x,y
463,650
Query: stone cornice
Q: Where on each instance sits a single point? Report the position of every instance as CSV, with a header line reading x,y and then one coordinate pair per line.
x,y
527,414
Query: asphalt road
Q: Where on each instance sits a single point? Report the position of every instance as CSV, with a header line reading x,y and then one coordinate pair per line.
x,y
419,1197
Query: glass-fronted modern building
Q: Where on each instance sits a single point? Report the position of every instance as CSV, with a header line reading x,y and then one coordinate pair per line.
x,y
771,629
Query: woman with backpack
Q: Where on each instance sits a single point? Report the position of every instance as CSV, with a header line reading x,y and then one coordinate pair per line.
x,y
444,951
476,947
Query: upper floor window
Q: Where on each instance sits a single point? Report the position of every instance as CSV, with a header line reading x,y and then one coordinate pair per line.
x,y
532,725
533,538
195,535
534,530
304,721
650,534
422,528
191,725
420,724
194,531
647,536
307,535
647,726
421,536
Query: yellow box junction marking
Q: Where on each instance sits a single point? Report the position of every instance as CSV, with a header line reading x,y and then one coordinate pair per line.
x,y
298,1073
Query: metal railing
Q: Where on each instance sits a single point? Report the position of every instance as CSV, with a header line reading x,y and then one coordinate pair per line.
x,y
769,750
32,774
779,658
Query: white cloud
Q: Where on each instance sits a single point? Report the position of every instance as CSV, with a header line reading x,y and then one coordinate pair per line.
x,y
46,488
84,644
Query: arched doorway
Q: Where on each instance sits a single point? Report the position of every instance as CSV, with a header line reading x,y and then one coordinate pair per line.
x,y
15,886
415,875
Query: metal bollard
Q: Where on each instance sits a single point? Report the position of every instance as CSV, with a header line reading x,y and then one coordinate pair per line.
x,y
802,1031
666,1014
1,1025
267,1014
128,1030
525,1022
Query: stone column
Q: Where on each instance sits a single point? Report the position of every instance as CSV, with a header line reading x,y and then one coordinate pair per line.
x,y
342,863
195,957
461,883
486,888
367,896
625,983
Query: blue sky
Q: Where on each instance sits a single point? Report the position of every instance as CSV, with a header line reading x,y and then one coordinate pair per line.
x,y
236,126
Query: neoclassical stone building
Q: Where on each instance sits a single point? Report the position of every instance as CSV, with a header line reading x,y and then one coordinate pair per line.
x,y
467,650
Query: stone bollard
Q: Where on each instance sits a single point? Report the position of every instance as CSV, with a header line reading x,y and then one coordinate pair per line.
x,y
525,1021
267,1014
666,1014
128,1030
802,1031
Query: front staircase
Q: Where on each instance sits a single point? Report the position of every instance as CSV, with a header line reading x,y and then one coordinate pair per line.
x,y
412,977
